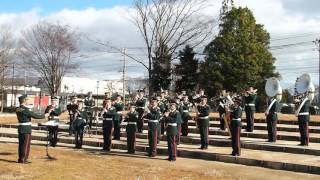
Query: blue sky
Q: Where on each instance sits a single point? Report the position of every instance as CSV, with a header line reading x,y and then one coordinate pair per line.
x,y
49,6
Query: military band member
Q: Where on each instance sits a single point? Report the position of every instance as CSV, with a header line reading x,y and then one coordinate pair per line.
x,y
140,106
203,122
250,107
108,114
131,129
221,109
197,97
179,122
235,127
172,119
54,112
24,116
119,105
182,95
89,103
153,116
72,110
184,111
163,105
79,123
303,120
272,118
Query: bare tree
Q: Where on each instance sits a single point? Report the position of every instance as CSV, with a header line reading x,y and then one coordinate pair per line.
x,y
47,48
167,25
6,57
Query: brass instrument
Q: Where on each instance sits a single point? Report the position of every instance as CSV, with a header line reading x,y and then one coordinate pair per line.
x,y
304,91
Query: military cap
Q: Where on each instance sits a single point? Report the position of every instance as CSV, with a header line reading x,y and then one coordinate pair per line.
x,y
173,102
140,90
154,99
23,97
203,97
54,98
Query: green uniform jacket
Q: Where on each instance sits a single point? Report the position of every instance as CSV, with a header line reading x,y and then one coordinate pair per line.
x,y
174,117
184,107
81,119
236,113
132,117
203,112
111,112
24,115
305,109
55,112
119,107
154,114
273,110
250,99
140,104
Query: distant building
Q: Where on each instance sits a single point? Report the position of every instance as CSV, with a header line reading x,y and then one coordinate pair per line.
x,y
77,85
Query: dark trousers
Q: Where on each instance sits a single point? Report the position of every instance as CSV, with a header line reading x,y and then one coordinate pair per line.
x,y
116,133
304,131
222,123
131,141
72,117
235,137
204,130
153,139
184,127
159,133
178,136
90,118
24,147
250,119
79,136
172,147
272,127
162,127
140,120
53,135
107,136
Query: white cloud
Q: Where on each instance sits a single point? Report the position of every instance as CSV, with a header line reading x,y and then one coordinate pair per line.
x,y
113,25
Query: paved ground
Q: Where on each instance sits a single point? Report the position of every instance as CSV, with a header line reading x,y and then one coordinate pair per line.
x,y
93,164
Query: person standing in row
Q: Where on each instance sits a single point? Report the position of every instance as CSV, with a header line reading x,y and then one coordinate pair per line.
x,y
24,116
54,112
79,123
72,110
235,127
203,122
119,106
89,103
221,110
163,105
131,129
140,107
184,111
272,117
250,107
108,114
153,115
172,118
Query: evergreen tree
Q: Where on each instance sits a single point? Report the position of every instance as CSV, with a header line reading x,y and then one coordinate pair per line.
x,y
239,56
186,71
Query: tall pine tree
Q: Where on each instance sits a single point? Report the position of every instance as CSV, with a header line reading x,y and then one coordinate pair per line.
x,y
186,70
239,56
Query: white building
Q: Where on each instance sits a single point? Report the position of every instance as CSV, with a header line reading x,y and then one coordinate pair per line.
x,y
84,85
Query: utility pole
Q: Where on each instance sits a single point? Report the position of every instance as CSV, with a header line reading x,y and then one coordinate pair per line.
x,y
12,81
317,42
124,75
